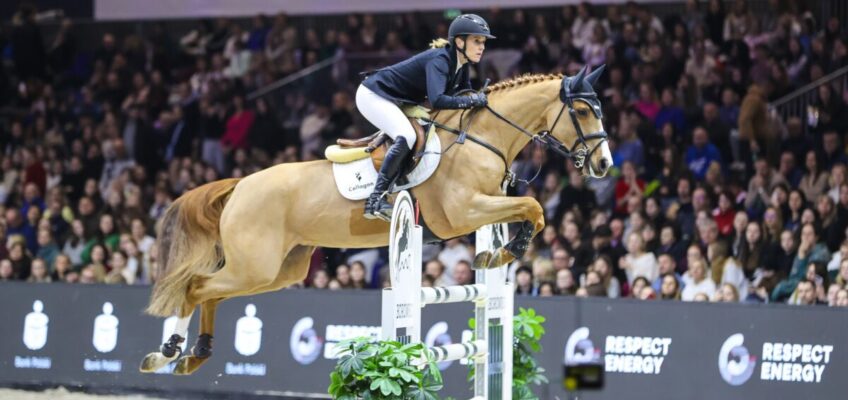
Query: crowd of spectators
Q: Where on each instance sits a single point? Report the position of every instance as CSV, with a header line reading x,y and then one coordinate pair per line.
x,y
713,197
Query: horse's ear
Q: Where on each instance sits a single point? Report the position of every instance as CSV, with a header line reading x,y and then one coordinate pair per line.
x,y
593,77
577,81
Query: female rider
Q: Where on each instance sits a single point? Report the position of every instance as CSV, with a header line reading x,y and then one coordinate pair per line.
x,y
436,74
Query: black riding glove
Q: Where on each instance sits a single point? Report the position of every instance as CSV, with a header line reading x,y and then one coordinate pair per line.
x,y
478,99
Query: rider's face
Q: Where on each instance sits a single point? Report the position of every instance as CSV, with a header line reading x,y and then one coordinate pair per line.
x,y
474,47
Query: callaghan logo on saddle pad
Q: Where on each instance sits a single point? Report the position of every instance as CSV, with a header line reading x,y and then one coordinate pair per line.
x,y
358,176
361,186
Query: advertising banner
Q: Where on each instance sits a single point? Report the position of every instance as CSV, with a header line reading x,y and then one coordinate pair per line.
x,y
283,343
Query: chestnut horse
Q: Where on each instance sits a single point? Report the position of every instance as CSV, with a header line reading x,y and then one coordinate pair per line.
x,y
239,237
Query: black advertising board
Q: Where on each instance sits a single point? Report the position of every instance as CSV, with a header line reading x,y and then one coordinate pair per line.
x,y
281,343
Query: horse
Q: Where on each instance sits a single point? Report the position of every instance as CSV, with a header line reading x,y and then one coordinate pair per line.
x,y
239,237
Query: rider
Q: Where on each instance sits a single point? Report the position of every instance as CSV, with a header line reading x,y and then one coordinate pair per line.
x,y
437,74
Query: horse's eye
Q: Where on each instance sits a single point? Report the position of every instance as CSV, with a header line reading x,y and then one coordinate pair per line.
x,y
582,113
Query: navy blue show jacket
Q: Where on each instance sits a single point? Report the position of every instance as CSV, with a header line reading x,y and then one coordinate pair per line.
x,y
427,75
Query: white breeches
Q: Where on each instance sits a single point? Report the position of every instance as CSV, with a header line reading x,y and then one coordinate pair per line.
x,y
385,115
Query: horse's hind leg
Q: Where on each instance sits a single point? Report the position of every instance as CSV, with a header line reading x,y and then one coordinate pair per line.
x,y
171,349
202,349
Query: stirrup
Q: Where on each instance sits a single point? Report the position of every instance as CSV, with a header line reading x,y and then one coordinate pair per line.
x,y
374,213
384,215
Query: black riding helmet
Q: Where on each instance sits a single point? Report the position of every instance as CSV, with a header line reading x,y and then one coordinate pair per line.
x,y
468,24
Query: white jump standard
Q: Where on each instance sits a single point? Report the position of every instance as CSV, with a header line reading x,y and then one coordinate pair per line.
x,y
492,295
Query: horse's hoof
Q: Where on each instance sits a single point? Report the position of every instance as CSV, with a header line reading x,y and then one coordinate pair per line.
x,y
482,260
152,362
186,365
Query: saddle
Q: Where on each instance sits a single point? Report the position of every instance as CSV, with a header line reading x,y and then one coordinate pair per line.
x,y
376,145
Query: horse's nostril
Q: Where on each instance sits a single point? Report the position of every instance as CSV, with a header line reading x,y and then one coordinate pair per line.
x,y
603,164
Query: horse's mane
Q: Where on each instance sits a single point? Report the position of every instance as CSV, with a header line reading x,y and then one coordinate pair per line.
x,y
521,80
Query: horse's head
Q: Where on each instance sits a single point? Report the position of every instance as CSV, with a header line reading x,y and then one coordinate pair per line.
x,y
583,137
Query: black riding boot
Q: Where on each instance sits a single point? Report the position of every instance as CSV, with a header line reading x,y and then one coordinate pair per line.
x,y
377,206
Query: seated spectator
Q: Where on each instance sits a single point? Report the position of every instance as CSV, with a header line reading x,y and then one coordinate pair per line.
x,y
670,287
7,273
358,275
21,261
697,281
637,286
805,294
462,273
342,276
47,248
546,289
565,285
810,250
667,265
726,293
524,281
842,298
629,185
701,153
638,262
725,269
814,182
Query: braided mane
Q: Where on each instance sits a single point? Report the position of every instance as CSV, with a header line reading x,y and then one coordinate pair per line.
x,y
521,81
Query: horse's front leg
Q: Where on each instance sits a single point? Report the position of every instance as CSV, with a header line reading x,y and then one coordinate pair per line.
x,y
498,209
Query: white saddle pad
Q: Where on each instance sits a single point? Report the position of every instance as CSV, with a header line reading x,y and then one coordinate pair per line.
x,y
355,180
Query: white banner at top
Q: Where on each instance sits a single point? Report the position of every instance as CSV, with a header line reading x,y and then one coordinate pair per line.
x,y
165,9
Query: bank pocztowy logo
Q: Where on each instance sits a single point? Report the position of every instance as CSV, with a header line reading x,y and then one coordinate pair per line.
x,y
735,363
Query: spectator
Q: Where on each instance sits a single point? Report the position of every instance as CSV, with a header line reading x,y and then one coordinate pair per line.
x,y
629,186
637,262
47,249
462,273
76,243
726,293
436,270
806,293
814,182
320,279
546,289
603,266
666,265
842,298
669,288
357,275
565,285
7,272
62,269
524,281
696,281
726,270
39,272
701,154
809,250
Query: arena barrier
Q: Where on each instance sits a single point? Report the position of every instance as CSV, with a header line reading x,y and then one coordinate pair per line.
x,y
492,295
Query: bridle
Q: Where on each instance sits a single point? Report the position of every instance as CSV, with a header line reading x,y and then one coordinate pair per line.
x,y
579,151
577,155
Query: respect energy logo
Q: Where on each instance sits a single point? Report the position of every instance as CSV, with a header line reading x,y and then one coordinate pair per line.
x,y
735,363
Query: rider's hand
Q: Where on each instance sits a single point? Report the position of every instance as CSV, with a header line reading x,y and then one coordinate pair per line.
x,y
478,99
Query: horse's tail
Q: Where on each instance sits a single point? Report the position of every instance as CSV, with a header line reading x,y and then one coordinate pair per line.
x,y
188,245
